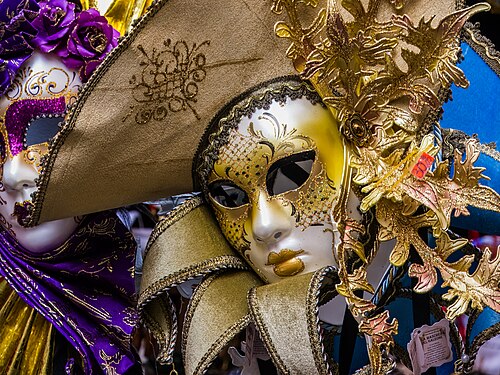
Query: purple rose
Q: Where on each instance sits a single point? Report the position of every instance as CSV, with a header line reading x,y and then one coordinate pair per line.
x,y
54,23
89,42
16,34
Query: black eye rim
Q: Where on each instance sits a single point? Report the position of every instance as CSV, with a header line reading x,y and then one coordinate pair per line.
x,y
290,161
218,186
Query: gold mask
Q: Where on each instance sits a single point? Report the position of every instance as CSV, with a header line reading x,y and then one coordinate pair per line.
x,y
275,184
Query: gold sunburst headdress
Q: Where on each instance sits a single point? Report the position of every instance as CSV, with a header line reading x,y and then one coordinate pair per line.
x,y
385,80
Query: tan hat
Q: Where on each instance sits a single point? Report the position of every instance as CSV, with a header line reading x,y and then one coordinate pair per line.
x,y
133,132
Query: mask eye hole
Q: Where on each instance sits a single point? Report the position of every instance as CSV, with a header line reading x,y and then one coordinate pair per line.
x,y
228,194
42,130
289,173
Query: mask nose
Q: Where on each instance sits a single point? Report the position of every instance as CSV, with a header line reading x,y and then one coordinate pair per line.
x,y
20,176
271,221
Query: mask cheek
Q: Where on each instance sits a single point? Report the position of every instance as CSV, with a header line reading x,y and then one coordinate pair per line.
x,y
232,224
314,201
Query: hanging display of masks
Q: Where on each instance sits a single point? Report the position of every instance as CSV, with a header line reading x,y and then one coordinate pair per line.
x,y
312,130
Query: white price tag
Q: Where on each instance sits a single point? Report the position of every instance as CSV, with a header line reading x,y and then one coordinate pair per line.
x,y
430,346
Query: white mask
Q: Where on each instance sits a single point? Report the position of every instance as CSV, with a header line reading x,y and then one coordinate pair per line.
x,y
274,186
43,88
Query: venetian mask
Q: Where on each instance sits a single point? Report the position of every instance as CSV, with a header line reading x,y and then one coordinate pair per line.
x,y
274,185
31,111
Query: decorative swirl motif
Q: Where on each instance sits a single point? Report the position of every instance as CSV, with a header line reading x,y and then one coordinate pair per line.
x,y
169,81
32,84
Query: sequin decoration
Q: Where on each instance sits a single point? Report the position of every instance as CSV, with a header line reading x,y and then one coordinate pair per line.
x,y
20,113
169,81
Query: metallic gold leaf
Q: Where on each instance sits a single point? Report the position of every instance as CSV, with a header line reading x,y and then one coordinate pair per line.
x,y
400,253
358,281
446,246
282,30
426,275
380,329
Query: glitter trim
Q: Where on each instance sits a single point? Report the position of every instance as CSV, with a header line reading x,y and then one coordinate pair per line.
x,y
490,151
482,46
20,114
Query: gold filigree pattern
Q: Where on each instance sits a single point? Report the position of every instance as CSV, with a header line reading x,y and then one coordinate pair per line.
x,y
380,98
32,84
169,81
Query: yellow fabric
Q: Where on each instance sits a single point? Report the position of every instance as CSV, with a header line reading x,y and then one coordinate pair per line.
x,y
25,336
185,244
285,314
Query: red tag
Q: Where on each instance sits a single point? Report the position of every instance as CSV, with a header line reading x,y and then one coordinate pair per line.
x,y
423,165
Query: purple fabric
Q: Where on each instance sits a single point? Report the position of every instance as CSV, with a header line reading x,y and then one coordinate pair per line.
x,y
22,112
85,288
91,39
54,23
16,34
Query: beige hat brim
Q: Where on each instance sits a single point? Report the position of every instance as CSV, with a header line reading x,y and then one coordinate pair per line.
x,y
135,128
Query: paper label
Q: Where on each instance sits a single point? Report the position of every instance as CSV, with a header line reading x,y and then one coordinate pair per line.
x,y
254,349
430,346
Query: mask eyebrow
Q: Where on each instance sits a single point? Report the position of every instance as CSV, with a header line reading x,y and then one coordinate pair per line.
x,y
20,114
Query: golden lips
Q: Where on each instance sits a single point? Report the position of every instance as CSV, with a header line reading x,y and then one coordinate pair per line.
x,y
286,262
